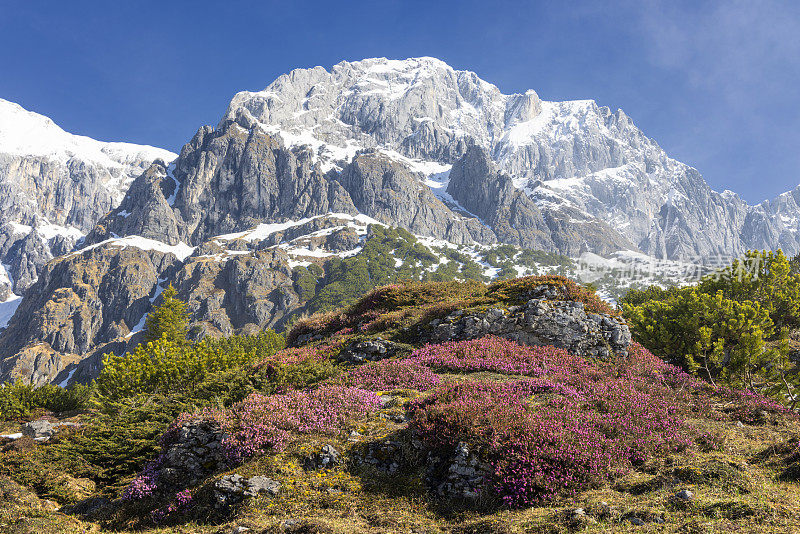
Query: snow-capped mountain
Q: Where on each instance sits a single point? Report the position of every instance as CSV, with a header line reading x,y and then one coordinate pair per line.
x,y
54,186
579,162
254,222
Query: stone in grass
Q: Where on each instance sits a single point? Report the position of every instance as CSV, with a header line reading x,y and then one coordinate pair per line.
x,y
642,517
368,351
326,458
685,495
233,489
40,430
578,518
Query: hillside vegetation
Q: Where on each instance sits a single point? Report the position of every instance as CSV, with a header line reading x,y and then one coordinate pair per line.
x,y
736,327
367,419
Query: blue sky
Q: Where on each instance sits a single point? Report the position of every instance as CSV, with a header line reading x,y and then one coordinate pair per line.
x,y
717,84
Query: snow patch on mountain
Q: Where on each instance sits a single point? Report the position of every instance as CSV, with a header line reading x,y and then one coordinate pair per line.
x,y
7,309
181,251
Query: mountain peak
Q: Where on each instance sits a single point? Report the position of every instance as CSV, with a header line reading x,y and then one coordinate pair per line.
x,y
26,133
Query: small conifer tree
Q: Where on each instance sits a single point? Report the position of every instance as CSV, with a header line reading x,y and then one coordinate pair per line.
x,y
168,319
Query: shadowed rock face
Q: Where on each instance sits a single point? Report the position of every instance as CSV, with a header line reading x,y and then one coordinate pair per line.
x,y
387,191
79,302
234,178
94,302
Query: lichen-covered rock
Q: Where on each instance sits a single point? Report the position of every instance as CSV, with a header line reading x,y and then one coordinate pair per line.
x,y
385,456
325,458
233,489
194,451
40,429
563,324
462,474
368,351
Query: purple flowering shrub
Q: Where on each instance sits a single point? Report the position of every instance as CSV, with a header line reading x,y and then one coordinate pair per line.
x,y
573,426
738,404
393,374
181,503
145,483
263,422
486,354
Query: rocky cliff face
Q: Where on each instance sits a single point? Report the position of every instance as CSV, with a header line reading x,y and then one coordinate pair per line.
x,y
590,171
54,186
96,300
237,176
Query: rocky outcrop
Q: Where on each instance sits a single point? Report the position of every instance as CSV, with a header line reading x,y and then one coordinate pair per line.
x,y
93,302
40,429
238,176
480,187
326,458
460,475
237,294
389,192
25,256
231,490
563,324
144,211
371,350
193,452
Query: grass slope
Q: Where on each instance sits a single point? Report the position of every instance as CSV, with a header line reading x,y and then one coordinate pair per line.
x,y
618,438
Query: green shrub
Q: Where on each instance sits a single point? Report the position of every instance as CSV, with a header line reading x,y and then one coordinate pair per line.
x,y
346,280
228,387
726,327
112,447
697,331
763,277
169,320
166,366
18,400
